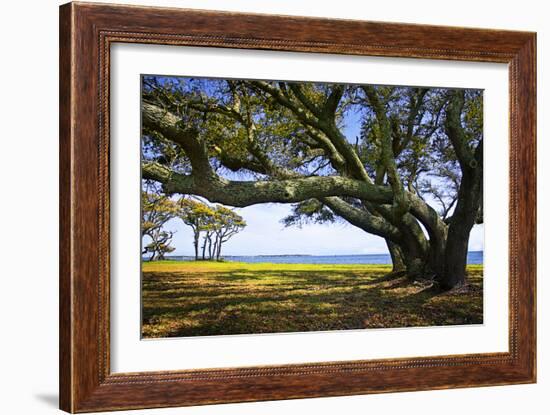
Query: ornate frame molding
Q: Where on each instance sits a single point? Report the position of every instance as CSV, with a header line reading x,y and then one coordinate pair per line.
x,y
86,33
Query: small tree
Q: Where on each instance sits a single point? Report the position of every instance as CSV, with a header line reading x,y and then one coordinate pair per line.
x,y
156,210
198,216
209,227
159,245
215,224
227,224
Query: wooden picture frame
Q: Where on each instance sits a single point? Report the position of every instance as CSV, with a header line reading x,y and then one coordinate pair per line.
x,y
86,33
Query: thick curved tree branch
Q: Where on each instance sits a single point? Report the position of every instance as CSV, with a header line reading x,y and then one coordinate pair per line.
x,y
246,193
455,132
428,216
333,100
170,126
362,219
387,155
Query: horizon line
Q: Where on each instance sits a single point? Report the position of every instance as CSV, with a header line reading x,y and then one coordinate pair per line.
x,y
294,255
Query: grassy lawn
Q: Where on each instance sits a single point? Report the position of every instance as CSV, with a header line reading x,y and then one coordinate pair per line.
x,y
215,298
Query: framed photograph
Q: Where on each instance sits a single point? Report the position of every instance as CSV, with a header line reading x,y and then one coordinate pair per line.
x,y
260,207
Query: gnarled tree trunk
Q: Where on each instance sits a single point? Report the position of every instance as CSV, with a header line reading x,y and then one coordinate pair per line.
x,y
397,259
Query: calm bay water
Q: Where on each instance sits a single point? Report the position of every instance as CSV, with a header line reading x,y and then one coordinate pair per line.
x,y
474,257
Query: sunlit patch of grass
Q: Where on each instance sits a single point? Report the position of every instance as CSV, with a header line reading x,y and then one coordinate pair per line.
x,y
217,298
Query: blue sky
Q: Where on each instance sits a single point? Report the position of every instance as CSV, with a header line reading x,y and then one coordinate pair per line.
x,y
265,235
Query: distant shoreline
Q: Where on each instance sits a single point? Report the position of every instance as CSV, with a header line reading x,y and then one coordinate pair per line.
x,y
474,258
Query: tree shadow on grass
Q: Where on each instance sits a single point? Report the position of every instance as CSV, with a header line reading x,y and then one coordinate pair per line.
x,y
251,301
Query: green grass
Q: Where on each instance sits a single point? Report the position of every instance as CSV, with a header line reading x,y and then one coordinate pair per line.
x,y
219,298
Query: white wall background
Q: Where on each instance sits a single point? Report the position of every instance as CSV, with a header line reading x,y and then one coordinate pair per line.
x,y
28,206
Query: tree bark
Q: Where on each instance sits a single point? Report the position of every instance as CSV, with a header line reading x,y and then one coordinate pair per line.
x,y
463,220
456,252
204,248
396,257
209,246
218,254
247,193
196,244
215,247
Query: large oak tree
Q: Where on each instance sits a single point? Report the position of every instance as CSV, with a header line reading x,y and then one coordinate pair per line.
x,y
412,174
